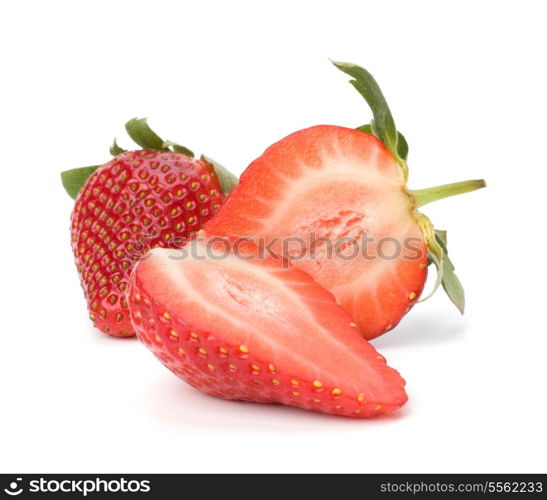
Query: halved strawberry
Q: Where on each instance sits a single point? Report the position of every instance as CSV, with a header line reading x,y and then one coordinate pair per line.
x,y
335,201
239,326
335,184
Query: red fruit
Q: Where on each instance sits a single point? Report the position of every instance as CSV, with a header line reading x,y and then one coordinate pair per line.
x,y
137,201
238,326
335,183
334,200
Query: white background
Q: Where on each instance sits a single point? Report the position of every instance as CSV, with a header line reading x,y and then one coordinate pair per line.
x,y
466,82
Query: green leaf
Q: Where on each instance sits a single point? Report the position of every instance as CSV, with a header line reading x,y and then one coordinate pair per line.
x,y
227,180
115,150
439,261
177,148
442,238
402,145
365,84
143,135
451,283
438,255
74,179
367,129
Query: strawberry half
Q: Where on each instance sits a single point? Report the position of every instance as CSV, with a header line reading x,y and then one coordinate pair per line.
x,y
335,184
239,326
158,196
335,201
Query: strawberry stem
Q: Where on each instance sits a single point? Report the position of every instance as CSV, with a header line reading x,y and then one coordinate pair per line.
x,y
428,195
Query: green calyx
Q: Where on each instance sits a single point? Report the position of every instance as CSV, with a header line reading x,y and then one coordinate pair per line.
x,y
402,145
226,179
383,127
74,179
141,133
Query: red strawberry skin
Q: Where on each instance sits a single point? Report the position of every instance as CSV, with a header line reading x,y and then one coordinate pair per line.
x,y
258,330
139,200
336,183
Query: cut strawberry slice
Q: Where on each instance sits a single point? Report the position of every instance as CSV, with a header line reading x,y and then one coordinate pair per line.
x,y
238,326
339,187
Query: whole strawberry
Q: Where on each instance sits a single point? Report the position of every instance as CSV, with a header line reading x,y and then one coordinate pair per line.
x,y
158,196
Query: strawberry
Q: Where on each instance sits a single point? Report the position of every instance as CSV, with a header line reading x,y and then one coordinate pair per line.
x,y
241,326
157,196
335,201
